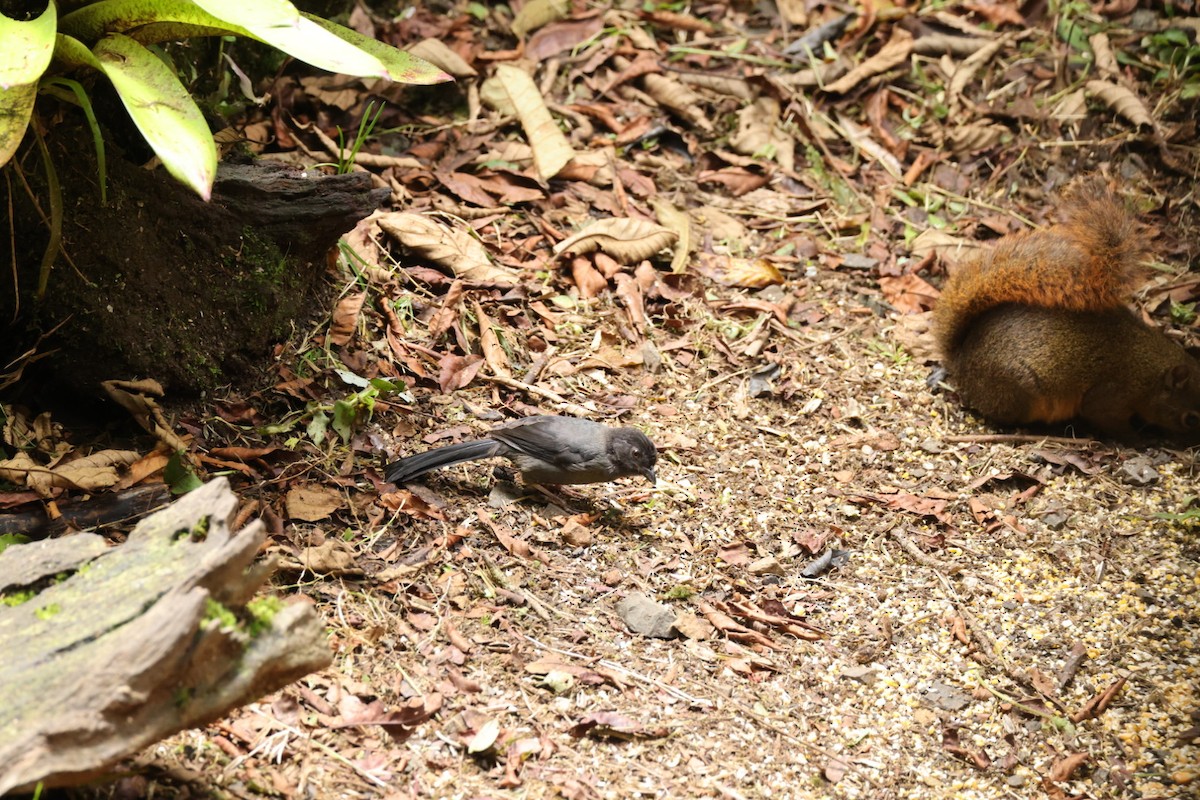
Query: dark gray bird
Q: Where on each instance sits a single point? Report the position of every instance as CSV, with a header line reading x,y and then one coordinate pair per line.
x,y
546,450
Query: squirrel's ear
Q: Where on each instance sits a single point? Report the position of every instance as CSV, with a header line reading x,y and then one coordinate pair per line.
x,y
1178,377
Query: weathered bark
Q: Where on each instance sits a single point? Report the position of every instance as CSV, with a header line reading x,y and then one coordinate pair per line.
x,y
120,647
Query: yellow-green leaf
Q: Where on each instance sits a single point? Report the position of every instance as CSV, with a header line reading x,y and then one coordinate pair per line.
x,y
25,55
401,67
93,21
162,110
252,15
306,37
70,52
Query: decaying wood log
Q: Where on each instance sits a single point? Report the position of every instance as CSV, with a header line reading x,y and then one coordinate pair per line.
x,y
106,650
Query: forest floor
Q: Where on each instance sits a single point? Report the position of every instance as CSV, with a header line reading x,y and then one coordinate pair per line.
x,y
1007,614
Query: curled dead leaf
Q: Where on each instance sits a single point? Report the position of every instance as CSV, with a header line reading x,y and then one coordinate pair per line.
x,y
625,239
97,471
1121,100
892,54
345,318
551,150
436,52
454,248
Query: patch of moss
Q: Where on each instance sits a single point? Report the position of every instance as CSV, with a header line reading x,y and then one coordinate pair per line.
x,y
214,610
16,598
262,611
46,612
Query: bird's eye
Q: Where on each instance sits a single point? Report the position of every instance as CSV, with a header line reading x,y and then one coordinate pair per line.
x,y
637,451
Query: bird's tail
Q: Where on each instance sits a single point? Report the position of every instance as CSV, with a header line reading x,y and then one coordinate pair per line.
x,y
407,469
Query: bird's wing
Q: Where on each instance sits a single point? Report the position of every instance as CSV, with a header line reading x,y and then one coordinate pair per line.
x,y
563,441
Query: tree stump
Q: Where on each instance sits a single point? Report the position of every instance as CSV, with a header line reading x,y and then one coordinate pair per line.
x,y
107,650
156,283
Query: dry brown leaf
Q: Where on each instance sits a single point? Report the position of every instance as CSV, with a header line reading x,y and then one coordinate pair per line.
x,y
860,137
41,434
153,462
908,294
794,11
761,135
678,97
1106,62
436,52
966,71
312,502
1072,107
454,248
610,724
456,372
551,150
749,273
631,295
625,239
489,342
1122,101
536,13
345,318
137,397
976,136
561,37
332,557
405,501
680,224
892,54
16,469
945,245
97,471
361,241
445,317
587,278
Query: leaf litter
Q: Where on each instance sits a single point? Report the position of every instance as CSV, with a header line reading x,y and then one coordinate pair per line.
x,y
724,226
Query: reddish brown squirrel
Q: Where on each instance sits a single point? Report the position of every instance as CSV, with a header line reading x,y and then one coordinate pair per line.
x,y
1036,329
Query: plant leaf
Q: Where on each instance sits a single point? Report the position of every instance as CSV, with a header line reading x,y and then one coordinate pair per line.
x,y
308,38
162,110
73,53
134,17
402,67
149,20
26,54
260,13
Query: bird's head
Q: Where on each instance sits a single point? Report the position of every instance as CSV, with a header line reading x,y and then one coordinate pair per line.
x,y
634,453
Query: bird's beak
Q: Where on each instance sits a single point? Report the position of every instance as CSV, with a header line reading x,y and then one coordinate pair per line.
x,y
649,475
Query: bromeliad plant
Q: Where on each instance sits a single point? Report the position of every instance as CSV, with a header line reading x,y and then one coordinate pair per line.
x,y
114,37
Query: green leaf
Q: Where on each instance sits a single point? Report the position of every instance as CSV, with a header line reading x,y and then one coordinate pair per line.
x,y
308,38
249,15
317,427
95,20
310,42
71,52
344,415
388,385
27,47
401,67
179,476
162,110
24,58
299,37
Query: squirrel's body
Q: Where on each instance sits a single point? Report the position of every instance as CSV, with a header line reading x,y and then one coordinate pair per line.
x,y
1035,330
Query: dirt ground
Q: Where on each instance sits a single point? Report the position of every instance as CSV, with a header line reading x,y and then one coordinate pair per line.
x,y
875,593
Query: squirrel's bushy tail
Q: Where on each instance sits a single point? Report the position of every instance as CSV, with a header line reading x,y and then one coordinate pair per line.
x,y
1087,262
